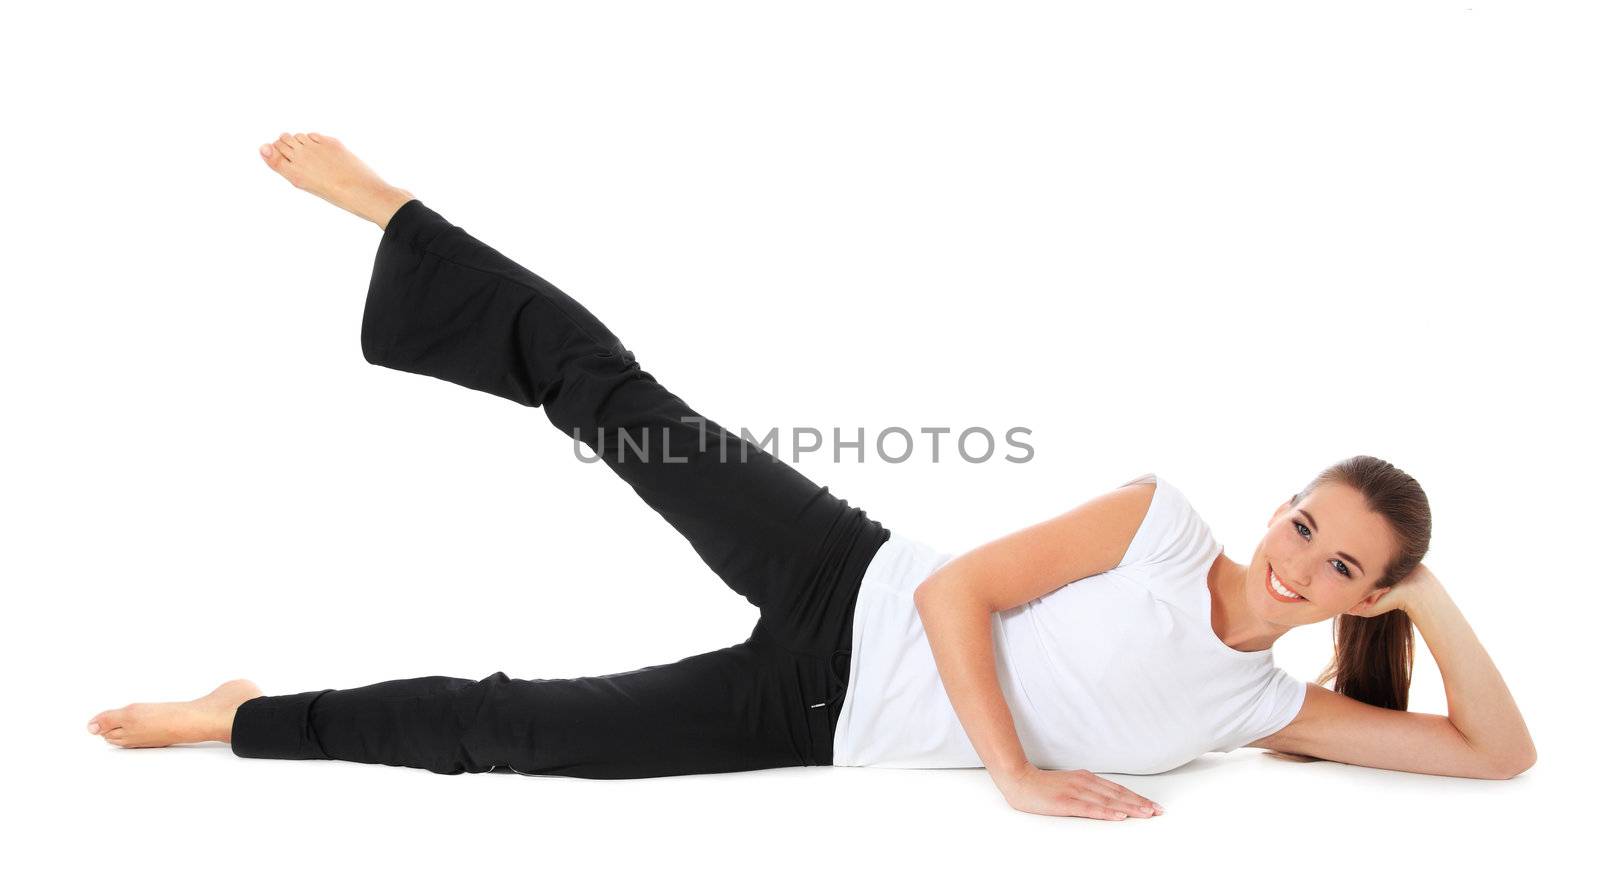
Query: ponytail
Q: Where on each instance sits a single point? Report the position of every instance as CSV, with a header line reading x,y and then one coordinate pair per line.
x,y
1372,658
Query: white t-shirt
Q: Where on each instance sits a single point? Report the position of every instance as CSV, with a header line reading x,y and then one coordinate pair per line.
x,y
1117,673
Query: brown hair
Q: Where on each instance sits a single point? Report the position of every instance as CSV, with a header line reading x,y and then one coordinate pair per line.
x,y
1372,657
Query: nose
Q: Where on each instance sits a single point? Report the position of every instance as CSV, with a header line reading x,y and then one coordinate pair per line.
x,y
1294,573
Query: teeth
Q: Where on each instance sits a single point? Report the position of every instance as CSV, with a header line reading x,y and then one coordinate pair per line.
x,y
1278,586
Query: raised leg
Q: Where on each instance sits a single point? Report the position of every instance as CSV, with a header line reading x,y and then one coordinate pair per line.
x,y
443,304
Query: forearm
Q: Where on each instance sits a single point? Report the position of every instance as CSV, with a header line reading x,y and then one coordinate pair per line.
x,y
959,629
1480,704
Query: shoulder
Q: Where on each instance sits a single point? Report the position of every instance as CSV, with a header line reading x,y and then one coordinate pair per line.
x,y
1171,528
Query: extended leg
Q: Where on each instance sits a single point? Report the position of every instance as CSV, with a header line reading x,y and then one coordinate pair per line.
x,y
739,708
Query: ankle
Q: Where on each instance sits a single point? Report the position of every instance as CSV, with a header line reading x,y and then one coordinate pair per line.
x,y
388,203
222,726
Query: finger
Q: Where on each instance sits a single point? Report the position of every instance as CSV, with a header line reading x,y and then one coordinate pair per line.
x,y
1105,794
1139,803
1121,799
1125,791
1085,808
1136,807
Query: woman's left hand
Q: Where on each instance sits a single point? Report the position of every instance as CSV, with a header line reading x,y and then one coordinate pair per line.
x,y
1420,582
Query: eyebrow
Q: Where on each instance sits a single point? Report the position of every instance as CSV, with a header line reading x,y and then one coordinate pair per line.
x,y
1353,560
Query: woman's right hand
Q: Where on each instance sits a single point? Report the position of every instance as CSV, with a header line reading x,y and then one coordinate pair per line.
x,y
1073,794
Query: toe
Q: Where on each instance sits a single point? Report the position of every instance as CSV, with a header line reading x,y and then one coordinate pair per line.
x,y
301,137
277,158
318,137
287,143
107,721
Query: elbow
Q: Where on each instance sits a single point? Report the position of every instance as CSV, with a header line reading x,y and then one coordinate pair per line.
x,y
1523,762
945,595
933,589
1514,764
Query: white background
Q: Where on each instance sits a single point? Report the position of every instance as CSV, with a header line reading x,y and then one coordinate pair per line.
x,y
1229,243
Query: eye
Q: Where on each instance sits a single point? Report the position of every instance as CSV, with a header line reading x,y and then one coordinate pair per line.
x,y
1339,565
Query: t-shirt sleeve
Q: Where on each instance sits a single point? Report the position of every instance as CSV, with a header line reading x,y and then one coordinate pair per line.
x,y
1280,703
1170,527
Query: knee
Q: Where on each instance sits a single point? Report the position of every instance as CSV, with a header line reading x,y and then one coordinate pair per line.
x,y
498,715
589,390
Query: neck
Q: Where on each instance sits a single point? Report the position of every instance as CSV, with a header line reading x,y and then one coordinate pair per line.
x,y
1231,618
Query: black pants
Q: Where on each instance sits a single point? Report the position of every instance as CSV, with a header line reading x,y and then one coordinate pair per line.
x,y
443,304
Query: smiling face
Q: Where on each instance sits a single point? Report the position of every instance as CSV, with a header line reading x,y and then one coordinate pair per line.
x,y
1329,549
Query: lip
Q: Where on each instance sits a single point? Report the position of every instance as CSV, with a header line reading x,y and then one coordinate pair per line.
x,y
1274,594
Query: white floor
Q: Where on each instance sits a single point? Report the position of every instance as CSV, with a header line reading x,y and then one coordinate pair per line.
x,y
91,811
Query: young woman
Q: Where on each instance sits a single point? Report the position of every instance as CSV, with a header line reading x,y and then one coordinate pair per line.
x,y
1118,633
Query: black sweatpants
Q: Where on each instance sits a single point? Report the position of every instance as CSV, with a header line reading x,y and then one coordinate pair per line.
x,y
443,304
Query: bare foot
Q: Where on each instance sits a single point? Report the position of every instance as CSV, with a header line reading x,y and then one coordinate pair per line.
x,y
206,718
321,165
